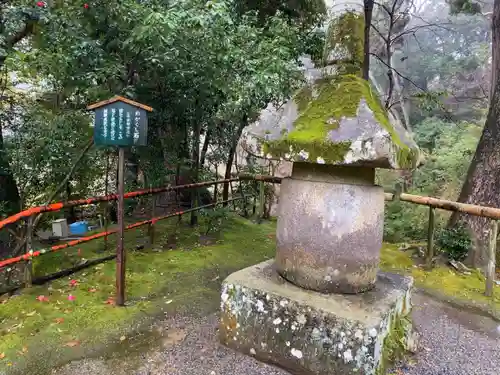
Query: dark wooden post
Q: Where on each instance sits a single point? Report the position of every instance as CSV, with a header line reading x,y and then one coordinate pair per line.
x,y
151,228
106,204
28,270
261,201
430,237
245,210
120,253
490,272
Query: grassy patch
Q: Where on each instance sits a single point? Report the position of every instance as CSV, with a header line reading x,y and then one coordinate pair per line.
x,y
157,282
442,279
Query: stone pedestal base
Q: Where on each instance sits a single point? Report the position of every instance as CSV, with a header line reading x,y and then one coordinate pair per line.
x,y
306,332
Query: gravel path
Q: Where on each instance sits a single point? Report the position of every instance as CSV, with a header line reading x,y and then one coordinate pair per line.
x,y
454,343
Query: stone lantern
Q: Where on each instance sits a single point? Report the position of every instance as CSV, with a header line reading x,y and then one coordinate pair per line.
x,y
322,306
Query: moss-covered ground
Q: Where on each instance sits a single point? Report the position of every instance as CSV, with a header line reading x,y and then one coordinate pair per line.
x,y
441,279
75,316
37,332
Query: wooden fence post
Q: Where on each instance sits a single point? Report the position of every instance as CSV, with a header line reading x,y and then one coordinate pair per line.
x,y
245,208
151,228
261,201
430,237
28,270
490,272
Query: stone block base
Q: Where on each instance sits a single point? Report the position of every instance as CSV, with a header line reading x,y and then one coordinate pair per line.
x,y
306,332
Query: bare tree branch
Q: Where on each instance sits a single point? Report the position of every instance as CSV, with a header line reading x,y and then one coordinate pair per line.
x,y
395,71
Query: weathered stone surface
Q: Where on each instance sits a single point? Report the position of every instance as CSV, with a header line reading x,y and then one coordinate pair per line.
x,y
307,332
336,120
330,228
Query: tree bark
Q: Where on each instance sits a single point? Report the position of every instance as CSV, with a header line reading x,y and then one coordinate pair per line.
x,y
204,149
482,184
368,23
9,193
230,158
195,169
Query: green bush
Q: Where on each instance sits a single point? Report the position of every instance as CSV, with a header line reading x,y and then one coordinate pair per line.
x,y
215,218
454,242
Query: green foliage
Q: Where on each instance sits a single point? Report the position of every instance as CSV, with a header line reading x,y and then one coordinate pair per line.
x,y
455,242
464,6
449,148
215,218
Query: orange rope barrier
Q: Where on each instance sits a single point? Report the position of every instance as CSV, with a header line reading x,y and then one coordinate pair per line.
x,y
33,254
112,197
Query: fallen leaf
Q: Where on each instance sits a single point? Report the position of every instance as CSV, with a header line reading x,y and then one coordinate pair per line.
x,y
2,355
169,302
110,301
31,313
73,343
42,299
25,349
123,338
92,290
59,320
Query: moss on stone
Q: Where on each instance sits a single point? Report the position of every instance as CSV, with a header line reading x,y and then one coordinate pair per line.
x,y
303,97
337,97
394,347
344,44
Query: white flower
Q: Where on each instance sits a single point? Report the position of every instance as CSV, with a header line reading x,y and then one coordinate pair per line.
x,y
320,160
269,156
304,154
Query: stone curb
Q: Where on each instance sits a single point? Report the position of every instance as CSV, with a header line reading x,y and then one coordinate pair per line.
x,y
472,306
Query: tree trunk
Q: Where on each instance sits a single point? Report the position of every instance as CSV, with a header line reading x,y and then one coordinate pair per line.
x,y
368,23
482,185
204,149
195,170
70,211
230,158
9,193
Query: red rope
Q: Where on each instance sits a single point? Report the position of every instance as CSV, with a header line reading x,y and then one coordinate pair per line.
x,y
112,197
37,253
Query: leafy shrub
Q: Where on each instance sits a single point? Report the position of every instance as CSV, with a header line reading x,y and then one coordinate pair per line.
x,y
455,242
215,218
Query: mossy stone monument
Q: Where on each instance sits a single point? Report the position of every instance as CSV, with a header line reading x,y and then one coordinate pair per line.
x,y
322,306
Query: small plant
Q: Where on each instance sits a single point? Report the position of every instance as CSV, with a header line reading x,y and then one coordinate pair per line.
x,y
455,242
215,218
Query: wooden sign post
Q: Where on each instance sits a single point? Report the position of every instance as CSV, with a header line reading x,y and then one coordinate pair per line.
x,y
120,122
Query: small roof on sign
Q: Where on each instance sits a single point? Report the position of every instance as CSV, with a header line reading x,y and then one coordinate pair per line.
x,y
119,99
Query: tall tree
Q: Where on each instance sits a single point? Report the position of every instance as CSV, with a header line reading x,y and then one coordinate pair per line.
x,y
482,185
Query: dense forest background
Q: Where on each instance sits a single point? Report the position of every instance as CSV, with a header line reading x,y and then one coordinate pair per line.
x,y
208,68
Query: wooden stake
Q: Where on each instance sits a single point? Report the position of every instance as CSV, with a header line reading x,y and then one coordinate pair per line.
x,y
106,204
490,272
261,201
151,228
28,270
430,237
120,253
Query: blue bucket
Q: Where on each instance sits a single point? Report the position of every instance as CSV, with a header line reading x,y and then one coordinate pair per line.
x,y
79,227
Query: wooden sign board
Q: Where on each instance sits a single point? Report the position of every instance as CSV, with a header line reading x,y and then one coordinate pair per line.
x,y
120,122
